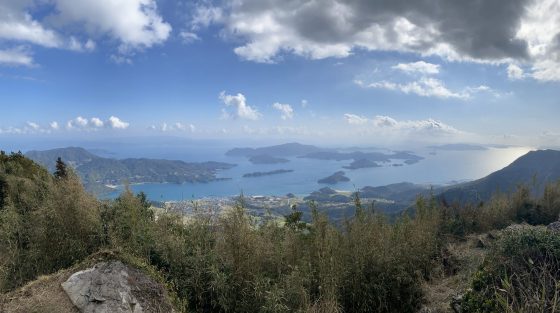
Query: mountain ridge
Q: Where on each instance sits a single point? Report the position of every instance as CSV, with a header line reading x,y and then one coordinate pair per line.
x,y
535,169
96,170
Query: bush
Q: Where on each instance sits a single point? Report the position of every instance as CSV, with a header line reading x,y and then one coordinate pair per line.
x,y
522,274
46,223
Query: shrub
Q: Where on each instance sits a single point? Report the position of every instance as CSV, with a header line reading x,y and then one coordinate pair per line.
x,y
522,274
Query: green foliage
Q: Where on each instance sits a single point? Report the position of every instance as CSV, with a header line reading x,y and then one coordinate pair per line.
x,y
502,211
128,222
61,171
45,224
522,274
293,220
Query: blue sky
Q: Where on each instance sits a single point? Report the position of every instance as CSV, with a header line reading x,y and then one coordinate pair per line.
x,y
363,72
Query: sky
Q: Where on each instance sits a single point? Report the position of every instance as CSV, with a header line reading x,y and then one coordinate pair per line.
x,y
375,72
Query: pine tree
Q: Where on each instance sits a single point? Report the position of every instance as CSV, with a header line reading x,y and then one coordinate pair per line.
x,y
61,171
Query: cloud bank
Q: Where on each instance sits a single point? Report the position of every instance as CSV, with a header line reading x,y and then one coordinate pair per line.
x,y
526,31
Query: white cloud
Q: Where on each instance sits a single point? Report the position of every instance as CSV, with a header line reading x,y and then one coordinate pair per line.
x,y
354,119
241,108
424,87
54,125
79,122
134,24
188,37
384,121
334,28
16,24
28,128
391,128
16,57
175,127
96,122
33,125
120,59
304,103
515,72
540,29
524,31
285,109
75,45
205,15
418,67
429,87
116,123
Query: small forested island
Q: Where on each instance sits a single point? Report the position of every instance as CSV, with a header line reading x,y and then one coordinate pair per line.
x,y
283,150
259,174
361,163
267,159
334,178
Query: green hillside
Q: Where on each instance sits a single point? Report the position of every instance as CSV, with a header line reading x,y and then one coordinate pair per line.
x,y
95,170
536,169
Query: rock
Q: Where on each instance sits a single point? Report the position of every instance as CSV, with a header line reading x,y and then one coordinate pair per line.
x,y
554,226
492,235
456,302
425,309
481,242
518,227
115,287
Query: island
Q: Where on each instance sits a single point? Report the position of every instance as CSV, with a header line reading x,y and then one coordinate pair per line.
x,y
334,178
362,163
284,150
364,158
275,172
361,158
267,159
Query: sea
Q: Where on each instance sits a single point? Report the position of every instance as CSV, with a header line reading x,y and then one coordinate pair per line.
x,y
439,167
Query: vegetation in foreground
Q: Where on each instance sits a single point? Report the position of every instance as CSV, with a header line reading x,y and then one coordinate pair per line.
x,y
231,263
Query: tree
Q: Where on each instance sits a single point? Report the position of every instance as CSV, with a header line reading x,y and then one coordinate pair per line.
x,y
61,171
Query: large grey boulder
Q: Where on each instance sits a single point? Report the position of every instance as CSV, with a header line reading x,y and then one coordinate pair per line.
x,y
113,287
554,226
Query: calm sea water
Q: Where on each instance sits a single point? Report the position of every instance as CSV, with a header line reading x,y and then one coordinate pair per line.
x,y
443,167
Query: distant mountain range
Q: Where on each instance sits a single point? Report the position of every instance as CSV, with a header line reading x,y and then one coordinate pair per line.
x,y
535,169
273,154
285,150
94,169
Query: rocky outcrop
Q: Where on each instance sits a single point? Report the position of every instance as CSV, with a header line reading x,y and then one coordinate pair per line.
x,y
554,226
115,287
